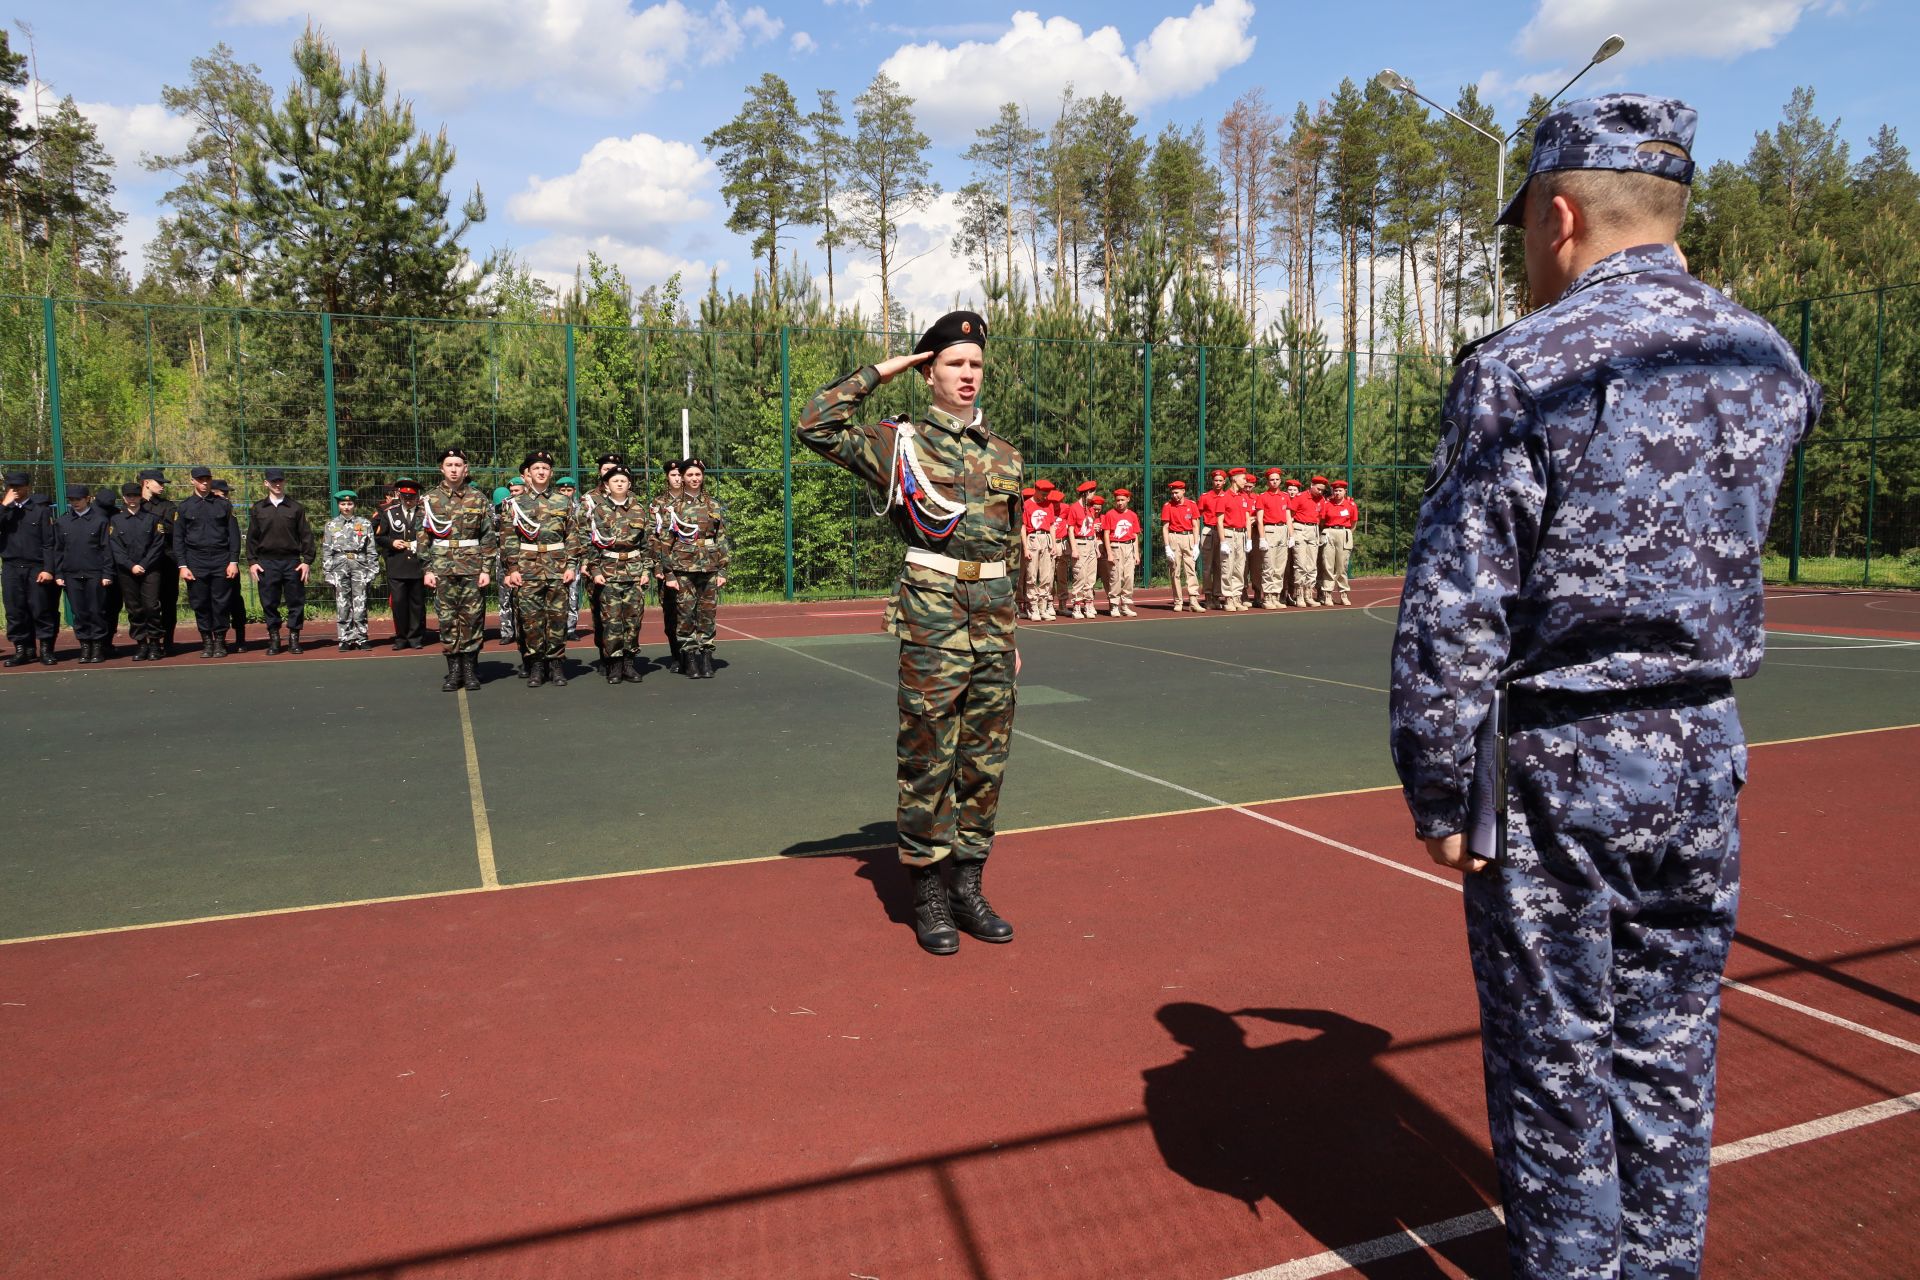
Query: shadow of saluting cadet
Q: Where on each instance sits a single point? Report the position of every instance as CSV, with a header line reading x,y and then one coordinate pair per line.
x,y
1318,1127
873,846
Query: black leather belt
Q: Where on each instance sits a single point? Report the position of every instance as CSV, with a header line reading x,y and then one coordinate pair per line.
x,y
1532,709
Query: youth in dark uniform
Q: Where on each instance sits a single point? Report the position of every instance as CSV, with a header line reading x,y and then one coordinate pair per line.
x,y
237,613
206,546
280,547
398,526
153,497
26,561
953,491
83,567
108,501
135,538
1590,544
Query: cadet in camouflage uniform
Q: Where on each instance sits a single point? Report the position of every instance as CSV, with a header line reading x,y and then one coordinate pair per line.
x,y
570,490
953,492
669,596
614,547
541,566
1559,556
350,561
457,523
691,548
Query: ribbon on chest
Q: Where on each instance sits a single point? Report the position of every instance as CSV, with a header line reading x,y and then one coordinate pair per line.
x,y
932,512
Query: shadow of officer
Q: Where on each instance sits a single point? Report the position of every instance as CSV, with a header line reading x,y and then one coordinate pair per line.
x,y
873,847
1321,1129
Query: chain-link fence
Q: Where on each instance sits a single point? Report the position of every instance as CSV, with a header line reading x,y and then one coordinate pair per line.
x,y
92,391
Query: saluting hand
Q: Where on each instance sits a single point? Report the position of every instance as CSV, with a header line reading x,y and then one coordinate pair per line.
x,y
894,365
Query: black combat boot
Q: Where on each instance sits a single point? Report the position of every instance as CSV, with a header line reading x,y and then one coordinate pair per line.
x,y
273,643
970,908
557,670
706,664
46,653
536,672
21,655
220,646
932,917
629,672
614,672
140,652
452,683
293,643
206,645
470,671
86,653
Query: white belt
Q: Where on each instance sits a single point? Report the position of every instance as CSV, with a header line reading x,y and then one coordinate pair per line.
x,y
461,542
543,546
965,570
621,555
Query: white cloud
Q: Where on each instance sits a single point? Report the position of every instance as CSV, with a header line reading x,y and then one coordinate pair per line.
x,y
628,188
584,52
1569,30
555,259
959,88
930,275
129,132
801,42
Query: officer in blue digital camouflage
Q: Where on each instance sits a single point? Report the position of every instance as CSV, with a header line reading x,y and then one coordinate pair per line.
x,y
953,491
1589,546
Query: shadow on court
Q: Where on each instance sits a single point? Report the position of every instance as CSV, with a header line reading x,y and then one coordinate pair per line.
x,y
873,851
1319,1129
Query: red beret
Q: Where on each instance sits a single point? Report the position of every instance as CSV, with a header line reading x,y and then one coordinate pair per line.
x,y
1097,500
1219,475
1123,493
1320,480
1043,484
1274,471
1339,484
1085,486
1236,471
1177,484
1027,492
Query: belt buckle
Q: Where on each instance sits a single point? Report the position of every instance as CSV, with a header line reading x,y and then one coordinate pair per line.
x,y
969,571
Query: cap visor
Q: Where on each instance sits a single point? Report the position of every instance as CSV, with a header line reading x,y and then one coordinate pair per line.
x,y
1514,214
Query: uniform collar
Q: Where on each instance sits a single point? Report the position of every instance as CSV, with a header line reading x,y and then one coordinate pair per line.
x,y
1641,257
954,426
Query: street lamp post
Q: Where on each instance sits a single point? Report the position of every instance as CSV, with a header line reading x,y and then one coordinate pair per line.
x,y
1394,80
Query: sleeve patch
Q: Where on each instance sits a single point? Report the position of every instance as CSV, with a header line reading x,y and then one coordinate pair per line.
x,y
1003,484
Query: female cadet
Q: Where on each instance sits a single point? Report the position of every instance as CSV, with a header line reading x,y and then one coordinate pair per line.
x,y
690,544
612,539
669,596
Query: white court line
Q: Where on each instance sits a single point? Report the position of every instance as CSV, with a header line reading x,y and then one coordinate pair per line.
x,y
1832,1018
1889,641
1397,1243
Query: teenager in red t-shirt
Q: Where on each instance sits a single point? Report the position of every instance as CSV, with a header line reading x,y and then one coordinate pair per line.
x,y
1211,502
1338,516
1303,539
1180,535
1274,517
1120,531
1083,550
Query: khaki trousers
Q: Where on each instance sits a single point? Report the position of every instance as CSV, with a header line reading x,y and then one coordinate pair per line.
x,y
1305,557
1086,570
1039,576
1273,563
1233,564
1183,553
1336,546
1122,565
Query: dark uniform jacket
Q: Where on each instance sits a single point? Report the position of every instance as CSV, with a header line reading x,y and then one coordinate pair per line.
x,y
136,538
166,511
80,544
279,532
395,522
26,531
206,532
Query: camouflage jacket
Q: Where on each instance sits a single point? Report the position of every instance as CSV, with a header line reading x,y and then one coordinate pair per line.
x,y
615,540
457,528
690,532
538,541
964,463
348,542
1593,522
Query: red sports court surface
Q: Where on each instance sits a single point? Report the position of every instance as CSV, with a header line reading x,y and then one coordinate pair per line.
x,y
1227,1042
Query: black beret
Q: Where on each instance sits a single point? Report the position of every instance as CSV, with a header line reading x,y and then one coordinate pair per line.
x,y
617,471
77,491
618,459
451,451
538,455
676,466
688,464
952,329
153,473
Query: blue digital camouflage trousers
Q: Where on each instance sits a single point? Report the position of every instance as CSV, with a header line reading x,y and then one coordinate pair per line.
x,y
1598,947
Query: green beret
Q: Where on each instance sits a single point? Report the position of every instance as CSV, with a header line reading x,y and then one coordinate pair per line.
x,y
501,493
342,495
567,482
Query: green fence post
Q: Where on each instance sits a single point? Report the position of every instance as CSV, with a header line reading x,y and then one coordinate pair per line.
x,y
1800,454
53,403
1353,361
1200,469
153,421
1873,429
333,423
786,451
413,381
1146,487
573,411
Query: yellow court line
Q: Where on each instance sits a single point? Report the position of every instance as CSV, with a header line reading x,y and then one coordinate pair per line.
x,y
482,829
1220,662
777,857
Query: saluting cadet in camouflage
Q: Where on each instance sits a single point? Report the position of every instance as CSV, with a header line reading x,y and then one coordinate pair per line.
x,y
349,560
613,545
953,491
540,568
1590,543
690,544
457,523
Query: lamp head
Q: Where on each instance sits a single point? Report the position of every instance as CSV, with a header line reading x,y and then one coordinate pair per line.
x,y
1394,80
1610,46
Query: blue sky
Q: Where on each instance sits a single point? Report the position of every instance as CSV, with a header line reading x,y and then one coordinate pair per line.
x,y
581,119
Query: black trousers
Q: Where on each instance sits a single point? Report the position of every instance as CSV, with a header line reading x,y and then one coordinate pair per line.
x,y
140,592
408,596
33,608
87,597
670,617
280,580
166,576
110,608
212,594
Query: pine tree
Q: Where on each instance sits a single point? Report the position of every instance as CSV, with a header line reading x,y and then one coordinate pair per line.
x,y
888,178
763,155
827,157
223,96
998,157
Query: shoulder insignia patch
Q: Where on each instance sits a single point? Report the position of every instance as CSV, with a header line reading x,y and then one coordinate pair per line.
x,y
1003,484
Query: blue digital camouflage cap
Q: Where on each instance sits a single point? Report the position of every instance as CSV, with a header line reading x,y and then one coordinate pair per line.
x,y
1607,132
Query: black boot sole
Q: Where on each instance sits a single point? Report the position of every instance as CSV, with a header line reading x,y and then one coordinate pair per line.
x,y
939,947
981,937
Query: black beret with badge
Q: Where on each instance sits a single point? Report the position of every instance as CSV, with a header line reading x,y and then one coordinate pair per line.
x,y
538,455
951,330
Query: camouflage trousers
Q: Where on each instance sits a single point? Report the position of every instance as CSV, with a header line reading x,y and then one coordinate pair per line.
x,y
507,616
573,606
618,607
540,607
956,727
461,606
699,607
1598,946
1183,554
350,583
